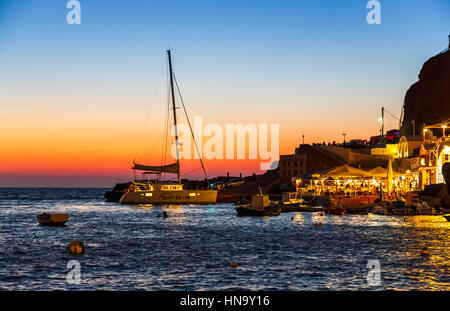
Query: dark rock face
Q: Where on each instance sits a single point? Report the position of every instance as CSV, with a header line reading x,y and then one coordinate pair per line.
x,y
428,100
446,173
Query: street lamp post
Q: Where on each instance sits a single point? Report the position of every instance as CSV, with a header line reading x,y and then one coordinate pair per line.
x,y
344,134
424,132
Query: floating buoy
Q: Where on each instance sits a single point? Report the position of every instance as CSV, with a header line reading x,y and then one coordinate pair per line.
x,y
76,247
425,252
165,215
234,264
292,218
321,214
317,224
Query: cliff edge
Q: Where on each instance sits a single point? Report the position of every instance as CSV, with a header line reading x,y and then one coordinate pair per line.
x,y
428,100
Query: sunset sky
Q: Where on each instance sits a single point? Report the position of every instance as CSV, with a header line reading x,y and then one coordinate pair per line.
x,y
79,102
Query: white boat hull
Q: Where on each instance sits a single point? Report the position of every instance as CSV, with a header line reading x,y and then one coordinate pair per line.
x,y
170,197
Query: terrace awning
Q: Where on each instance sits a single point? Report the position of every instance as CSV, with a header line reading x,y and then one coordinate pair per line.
x,y
347,171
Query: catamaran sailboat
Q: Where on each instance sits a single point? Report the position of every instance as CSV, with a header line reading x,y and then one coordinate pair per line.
x,y
160,192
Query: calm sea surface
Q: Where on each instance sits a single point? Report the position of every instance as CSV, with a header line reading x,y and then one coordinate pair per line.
x,y
133,248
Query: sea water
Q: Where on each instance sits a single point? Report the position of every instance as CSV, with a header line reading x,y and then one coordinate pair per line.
x,y
131,247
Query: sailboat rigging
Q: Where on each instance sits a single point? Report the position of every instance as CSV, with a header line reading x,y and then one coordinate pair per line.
x,y
164,192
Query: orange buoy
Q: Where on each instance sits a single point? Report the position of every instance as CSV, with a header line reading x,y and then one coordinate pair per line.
x,y
76,247
317,224
234,264
165,215
425,252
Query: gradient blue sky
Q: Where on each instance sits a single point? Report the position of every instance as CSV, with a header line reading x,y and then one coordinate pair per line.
x,y
315,67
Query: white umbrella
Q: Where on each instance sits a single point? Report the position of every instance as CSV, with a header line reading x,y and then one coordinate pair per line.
x,y
347,171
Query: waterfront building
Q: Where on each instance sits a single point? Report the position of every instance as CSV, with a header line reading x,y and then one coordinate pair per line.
x,y
306,159
434,153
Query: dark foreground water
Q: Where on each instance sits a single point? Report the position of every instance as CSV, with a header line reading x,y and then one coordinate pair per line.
x,y
131,248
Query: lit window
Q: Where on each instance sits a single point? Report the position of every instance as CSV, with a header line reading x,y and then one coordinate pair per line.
x,y
148,194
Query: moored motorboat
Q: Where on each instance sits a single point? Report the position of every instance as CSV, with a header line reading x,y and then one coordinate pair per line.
x,y
335,210
260,206
393,208
55,220
117,192
291,198
251,211
287,208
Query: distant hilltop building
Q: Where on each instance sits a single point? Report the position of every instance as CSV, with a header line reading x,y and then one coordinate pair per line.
x,y
428,100
306,159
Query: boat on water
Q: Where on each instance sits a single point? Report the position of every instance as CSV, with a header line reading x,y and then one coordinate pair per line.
x,y
399,208
291,198
159,191
335,210
166,193
260,206
300,208
54,220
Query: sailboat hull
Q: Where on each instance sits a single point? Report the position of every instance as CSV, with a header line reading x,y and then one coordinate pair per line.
x,y
170,197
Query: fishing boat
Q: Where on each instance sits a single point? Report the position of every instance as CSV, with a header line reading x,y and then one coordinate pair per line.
x,y
55,220
159,191
292,202
260,206
335,210
288,208
291,198
399,208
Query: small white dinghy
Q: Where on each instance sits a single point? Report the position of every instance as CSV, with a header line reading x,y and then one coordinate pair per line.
x,y
55,220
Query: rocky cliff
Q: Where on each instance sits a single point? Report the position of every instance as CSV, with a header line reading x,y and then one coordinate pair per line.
x,y
428,100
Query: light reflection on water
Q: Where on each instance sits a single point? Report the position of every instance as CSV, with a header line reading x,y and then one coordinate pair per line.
x,y
133,247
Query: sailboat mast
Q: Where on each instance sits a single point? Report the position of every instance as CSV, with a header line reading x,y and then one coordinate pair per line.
x,y
172,90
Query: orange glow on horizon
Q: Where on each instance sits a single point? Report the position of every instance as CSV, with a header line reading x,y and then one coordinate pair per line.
x,y
94,151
